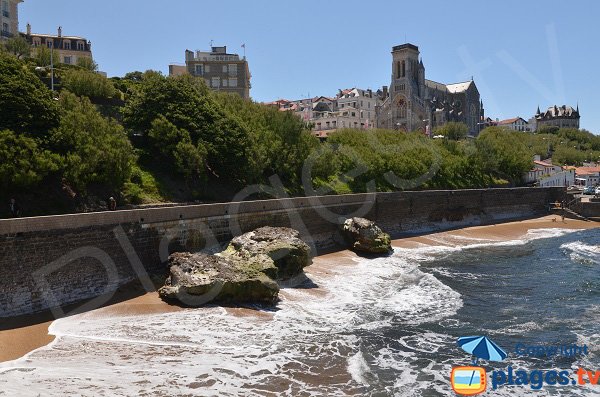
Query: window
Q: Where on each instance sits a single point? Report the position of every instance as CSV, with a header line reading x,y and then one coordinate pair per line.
x,y
49,43
224,68
80,46
199,70
5,12
353,114
5,28
233,82
216,82
37,42
206,68
67,45
224,82
68,60
233,69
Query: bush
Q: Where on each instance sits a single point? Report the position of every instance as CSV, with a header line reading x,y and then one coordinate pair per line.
x,y
23,163
26,104
95,149
90,84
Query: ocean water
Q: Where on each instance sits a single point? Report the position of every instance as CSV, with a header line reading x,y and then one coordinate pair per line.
x,y
384,327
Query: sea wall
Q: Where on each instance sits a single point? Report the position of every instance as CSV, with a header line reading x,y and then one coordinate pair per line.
x,y
51,261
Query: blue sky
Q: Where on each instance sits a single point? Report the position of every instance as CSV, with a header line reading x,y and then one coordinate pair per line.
x,y
520,53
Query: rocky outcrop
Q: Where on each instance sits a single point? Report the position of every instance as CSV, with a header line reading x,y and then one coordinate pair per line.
x,y
243,273
197,279
365,236
279,251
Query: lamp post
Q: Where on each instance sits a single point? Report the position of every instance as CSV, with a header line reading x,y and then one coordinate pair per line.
x,y
52,65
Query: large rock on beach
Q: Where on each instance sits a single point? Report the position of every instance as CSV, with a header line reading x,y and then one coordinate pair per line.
x,y
365,236
279,251
244,273
197,279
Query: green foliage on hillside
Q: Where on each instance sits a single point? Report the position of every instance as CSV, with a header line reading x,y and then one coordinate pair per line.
x,y
23,162
93,148
26,105
171,138
83,82
238,141
453,130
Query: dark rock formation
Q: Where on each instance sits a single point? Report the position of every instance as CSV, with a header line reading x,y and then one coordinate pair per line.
x,y
365,236
244,272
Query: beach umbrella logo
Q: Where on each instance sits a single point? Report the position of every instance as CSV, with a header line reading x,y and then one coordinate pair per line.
x,y
472,380
482,348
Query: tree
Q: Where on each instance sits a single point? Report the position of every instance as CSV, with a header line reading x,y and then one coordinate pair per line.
x,y
94,149
26,104
453,131
189,159
87,63
23,163
19,47
503,153
165,137
83,82
44,57
184,101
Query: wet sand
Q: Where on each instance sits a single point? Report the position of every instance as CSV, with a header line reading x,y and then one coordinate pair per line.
x,y
22,335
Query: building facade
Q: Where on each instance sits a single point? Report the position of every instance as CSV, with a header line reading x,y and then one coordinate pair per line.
x,y
70,48
9,19
415,103
351,108
220,70
561,117
545,174
515,124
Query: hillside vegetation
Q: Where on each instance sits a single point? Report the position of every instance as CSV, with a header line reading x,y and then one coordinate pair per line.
x,y
146,138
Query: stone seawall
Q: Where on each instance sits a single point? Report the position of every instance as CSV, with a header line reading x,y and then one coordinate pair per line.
x,y
52,261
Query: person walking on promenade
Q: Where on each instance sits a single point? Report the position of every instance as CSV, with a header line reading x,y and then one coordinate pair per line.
x,y
15,210
112,204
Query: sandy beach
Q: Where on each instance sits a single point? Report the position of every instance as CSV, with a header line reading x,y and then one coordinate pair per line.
x,y
22,335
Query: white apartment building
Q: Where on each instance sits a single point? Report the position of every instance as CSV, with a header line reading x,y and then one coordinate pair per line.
x,y
515,124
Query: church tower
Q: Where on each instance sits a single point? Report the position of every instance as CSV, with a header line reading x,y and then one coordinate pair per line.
x,y
407,88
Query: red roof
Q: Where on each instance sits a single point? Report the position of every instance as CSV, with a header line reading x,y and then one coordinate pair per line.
x,y
509,121
587,170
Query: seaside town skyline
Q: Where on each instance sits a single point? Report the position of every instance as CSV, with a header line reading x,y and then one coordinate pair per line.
x,y
549,75
279,199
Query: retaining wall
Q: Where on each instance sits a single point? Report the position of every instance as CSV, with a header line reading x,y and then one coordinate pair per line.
x,y
55,260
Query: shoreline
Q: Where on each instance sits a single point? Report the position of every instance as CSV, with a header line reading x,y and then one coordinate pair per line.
x,y
24,334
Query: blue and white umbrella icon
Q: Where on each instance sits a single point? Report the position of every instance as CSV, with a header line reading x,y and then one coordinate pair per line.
x,y
482,348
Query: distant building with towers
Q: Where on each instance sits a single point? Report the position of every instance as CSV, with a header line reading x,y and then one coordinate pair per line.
x,y
558,116
414,103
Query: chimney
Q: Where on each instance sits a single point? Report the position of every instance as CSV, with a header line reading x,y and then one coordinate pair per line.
x,y
28,29
60,31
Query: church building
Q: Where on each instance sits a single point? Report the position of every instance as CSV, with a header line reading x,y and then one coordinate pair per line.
x,y
414,103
